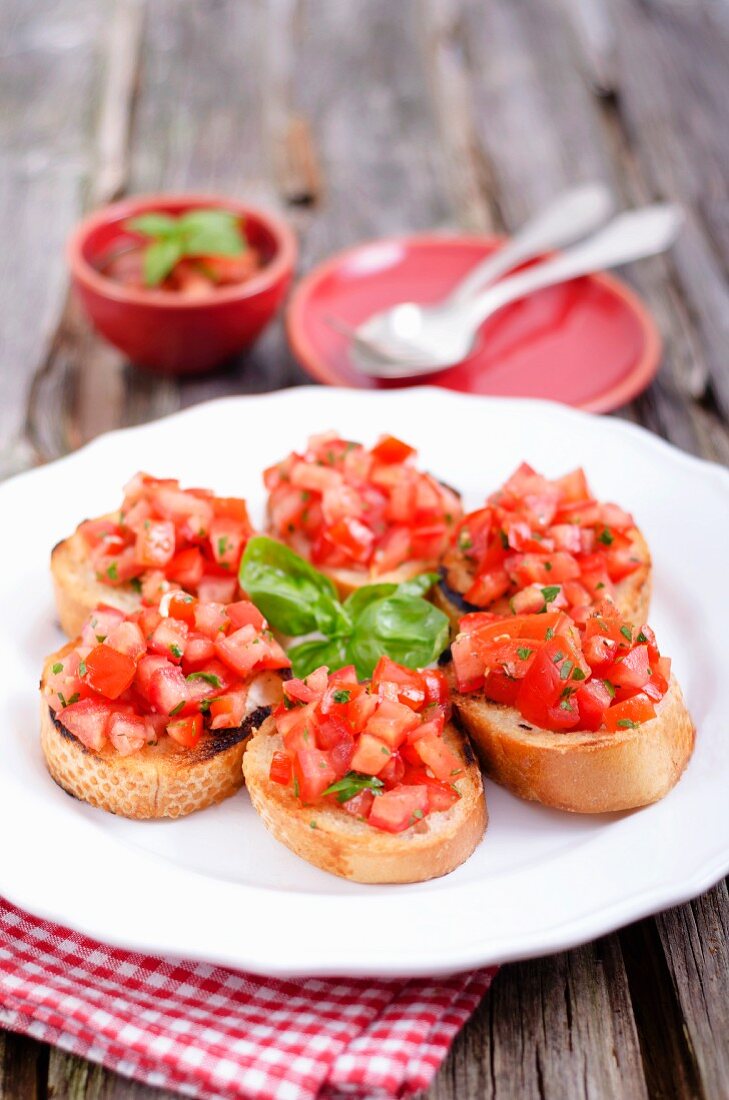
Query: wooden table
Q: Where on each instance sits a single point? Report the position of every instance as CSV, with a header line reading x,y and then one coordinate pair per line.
x,y
360,119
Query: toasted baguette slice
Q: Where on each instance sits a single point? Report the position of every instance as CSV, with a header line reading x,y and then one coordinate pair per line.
x,y
162,780
583,772
333,840
77,590
632,594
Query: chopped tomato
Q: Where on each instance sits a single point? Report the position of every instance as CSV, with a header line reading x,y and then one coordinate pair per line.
x,y
108,671
436,755
167,691
281,770
155,545
128,733
371,755
127,638
632,670
187,568
244,613
630,713
313,772
398,809
87,720
389,449
186,731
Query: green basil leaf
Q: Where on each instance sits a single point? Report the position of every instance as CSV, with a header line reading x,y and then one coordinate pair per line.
x,y
358,600
352,783
212,233
406,628
418,586
307,656
295,598
153,225
159,259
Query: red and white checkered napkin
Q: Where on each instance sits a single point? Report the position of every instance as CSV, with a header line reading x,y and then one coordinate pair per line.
x,y
210,1032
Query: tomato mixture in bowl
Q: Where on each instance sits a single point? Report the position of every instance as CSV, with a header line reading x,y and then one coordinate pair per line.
x,y
606,675
540,542
165,537
181,672
346,506
375,749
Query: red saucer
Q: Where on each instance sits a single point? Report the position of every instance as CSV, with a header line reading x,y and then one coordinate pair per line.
x,y
590,343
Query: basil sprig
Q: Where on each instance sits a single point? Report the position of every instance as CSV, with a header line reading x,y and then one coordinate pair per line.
x,y
196,233
352,783
393,620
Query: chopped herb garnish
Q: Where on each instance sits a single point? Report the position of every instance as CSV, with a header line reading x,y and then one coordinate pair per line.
x,y
352,784
296,786
74,698
548,566
205,705
565,705
578,674
465,542
606,537
565,670
208,677
82,670
62,699
342,696
558,656
175,651
312,825
641,637
523,652
417,814
177,709
504,539
550,593
100,638
549,634
610,688
627,723
627,633
112,572
136,584
223,544
600,584
58,667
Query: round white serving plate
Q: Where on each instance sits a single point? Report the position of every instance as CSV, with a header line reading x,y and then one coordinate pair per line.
x,y
215,886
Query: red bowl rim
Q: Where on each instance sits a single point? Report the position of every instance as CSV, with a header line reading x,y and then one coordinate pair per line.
x,y
619,394
280,266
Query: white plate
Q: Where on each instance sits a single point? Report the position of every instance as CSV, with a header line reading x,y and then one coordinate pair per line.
x,y
216,886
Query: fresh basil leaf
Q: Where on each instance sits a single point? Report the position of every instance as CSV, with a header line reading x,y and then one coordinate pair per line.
x,y
159,259
358,600
212,233
407,629
153,225
352,783
307,656
295,598
418,586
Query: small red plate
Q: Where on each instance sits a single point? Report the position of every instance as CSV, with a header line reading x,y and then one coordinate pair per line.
x,y
590,343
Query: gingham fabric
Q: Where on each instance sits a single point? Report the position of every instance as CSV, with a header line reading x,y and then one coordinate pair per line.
x,y
205,1031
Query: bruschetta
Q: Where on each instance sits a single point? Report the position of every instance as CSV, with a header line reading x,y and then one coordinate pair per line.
x,y
163,537
147,715
361,514
545,543
584,719
369,781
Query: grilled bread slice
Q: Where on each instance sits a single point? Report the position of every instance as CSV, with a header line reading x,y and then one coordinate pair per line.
x,y
162,780
78,591
581,771
632,594
333,840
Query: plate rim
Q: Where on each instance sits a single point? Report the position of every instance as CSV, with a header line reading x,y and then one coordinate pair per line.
x,y
589,926
318,368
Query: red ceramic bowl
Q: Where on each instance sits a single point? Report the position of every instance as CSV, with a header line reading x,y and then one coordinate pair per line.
x,y
167,332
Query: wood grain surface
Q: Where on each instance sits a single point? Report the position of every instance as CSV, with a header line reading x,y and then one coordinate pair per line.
x,y
359,119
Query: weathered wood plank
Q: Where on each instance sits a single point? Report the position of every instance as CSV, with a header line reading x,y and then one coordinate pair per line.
x,y
23,1067
549,1029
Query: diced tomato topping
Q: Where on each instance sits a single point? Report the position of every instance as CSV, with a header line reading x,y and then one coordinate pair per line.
x,y
186,731
398,809
87,720
169,639
108,671
244,613
281,770
128,733
565,676
314,773
369,510
167,534
536,535
127,638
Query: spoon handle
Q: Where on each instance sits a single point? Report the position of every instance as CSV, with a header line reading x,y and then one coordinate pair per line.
x,y
564,221
628,237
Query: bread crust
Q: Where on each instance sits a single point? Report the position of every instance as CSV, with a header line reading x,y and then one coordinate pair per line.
x,y
162,780
77,590
632,594
582,772
351,849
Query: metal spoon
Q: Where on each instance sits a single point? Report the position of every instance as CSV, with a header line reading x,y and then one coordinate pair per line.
x,y
565,220
446,336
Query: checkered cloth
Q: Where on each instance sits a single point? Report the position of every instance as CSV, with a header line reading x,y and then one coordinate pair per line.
x,y
209,1032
